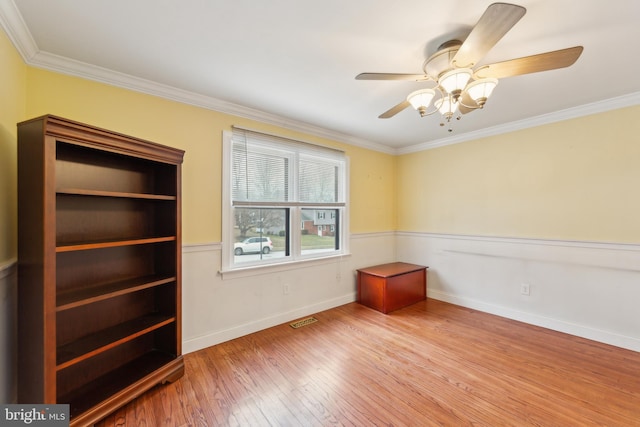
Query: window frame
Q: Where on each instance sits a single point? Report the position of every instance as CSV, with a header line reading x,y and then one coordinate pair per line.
x,y
294,208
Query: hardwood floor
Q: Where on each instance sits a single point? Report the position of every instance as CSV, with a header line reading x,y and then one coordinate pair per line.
x,y
432,363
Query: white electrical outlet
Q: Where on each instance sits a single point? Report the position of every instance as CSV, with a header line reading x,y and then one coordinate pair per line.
x,y
285,289
525,289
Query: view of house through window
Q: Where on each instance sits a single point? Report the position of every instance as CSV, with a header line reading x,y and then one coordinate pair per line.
x,y
318,230
286,199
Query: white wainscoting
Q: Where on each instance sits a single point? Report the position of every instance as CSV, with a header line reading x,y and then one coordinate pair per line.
x,y
587,289
220,307
8,332
217,309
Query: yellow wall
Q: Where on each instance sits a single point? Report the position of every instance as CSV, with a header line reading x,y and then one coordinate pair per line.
x,y
574,180
12,110
373,175
199,132
570,180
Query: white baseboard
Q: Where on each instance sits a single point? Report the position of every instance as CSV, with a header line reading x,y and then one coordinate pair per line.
x,y
606,337
586,289
218,337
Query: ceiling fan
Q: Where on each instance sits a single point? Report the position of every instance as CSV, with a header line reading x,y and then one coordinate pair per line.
x,y
463,86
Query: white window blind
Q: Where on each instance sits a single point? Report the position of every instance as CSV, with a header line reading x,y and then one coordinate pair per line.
x,y
319,180
259,174
274,170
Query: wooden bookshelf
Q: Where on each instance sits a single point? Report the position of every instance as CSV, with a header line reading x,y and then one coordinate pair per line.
x,y
99,266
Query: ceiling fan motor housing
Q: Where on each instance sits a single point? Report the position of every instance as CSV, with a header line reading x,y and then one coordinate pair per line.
x,y
440,62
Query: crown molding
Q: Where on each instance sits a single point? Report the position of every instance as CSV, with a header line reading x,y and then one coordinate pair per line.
x,y
75,68
13,24
18,32
91,72
16,29
543,119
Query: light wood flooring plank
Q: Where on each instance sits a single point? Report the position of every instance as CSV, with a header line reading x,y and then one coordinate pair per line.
x,y
430,364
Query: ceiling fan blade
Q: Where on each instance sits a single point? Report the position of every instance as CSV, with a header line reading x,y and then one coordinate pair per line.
x,y
496,21
531,64
392,76
394,110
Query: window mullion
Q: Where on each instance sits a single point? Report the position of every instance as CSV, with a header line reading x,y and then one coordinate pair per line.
x,y
294,237
295,234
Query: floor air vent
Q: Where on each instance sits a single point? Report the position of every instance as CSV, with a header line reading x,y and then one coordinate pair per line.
x,y
304,322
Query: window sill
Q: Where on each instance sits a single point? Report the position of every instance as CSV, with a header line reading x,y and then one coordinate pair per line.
x,y
256,270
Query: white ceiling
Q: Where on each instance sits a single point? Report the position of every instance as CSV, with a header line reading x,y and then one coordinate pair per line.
x,y
294,62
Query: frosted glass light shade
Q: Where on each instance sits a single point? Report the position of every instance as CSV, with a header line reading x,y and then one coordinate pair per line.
x,y
481,89
455,79
446,105
421,98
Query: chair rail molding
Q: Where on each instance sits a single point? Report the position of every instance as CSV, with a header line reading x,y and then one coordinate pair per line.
x,y
8,267
587,289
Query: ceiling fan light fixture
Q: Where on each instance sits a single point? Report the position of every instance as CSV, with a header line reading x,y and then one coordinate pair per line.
x,y
454,81
446,106
421,98
452,67
480,90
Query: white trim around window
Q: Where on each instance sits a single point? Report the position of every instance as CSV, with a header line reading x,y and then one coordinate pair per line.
x,y
290,245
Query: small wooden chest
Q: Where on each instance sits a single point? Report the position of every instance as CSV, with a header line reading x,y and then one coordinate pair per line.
x,y
389,287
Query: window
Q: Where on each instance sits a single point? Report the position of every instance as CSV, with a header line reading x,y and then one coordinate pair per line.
x,y
271,183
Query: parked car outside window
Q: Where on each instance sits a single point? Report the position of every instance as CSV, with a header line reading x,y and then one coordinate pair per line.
x,y
253,245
